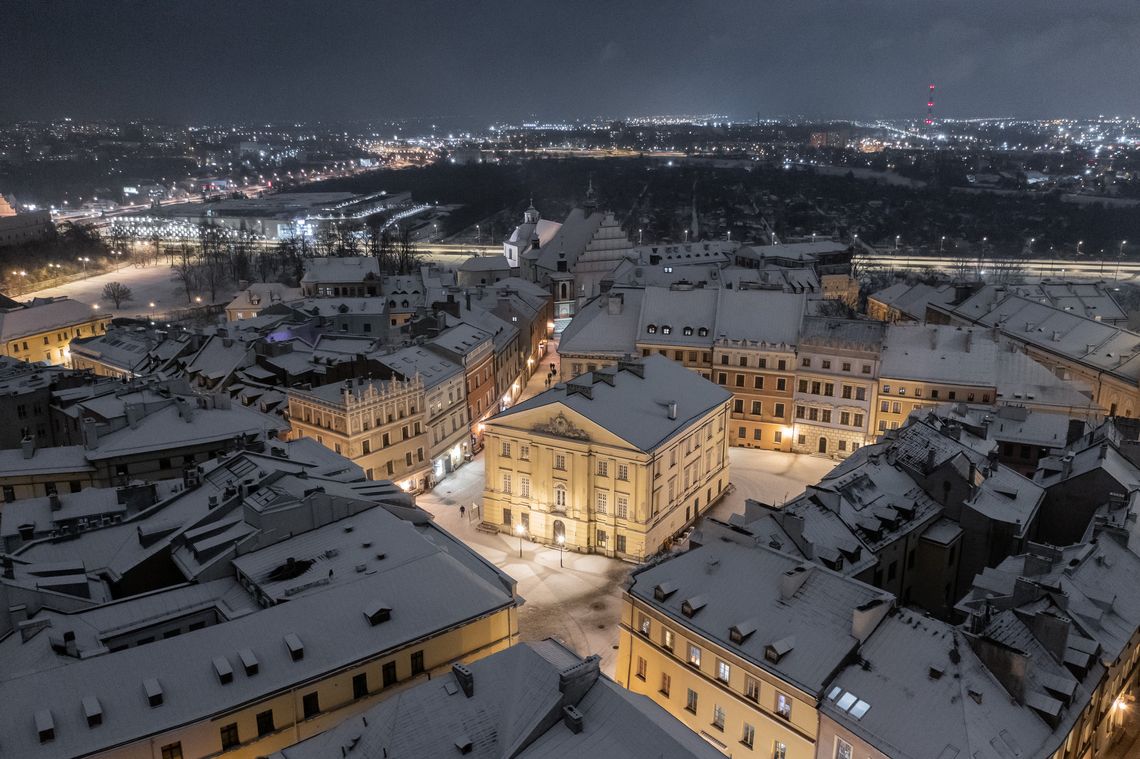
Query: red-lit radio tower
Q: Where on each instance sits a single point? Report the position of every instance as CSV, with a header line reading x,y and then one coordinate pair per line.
x,y
930,107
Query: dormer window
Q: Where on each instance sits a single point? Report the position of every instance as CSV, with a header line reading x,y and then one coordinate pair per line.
x,y
691,606
651,329
703,332
687,331
664,590
666,329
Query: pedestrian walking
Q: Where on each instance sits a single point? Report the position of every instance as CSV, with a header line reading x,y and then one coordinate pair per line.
x,y
462,510
552,367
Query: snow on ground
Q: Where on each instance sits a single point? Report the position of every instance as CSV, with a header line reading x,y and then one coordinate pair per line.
x,y
149,284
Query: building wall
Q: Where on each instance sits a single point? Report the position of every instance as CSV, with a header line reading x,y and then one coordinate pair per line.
x,y
828,407
447,423
52,346
466,643
762,377
663,490
797,732
897,398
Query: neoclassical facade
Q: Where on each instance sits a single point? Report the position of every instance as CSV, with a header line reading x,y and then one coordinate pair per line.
x,y
616,461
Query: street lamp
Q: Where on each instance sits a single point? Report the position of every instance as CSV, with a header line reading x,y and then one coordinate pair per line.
x,y
686,235
897,242
561,545
1118,257
519,530
942,243
1079,244
640,235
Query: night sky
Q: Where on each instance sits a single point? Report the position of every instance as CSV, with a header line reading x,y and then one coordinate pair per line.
x,y
222,60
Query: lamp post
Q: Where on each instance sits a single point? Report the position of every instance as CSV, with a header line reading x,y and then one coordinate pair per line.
x,y
519,530
1118,257
941,244
897,242
561,545
151,304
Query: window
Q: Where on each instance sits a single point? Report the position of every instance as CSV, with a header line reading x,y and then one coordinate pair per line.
x,y
230,736
757,434
620,547
846,366
740,380
779,751
623,472
601,505
843,445
934,394
826,364
560,461
778,436
622,507
757,407
952,395
801,412
265,719
388,674
507,517
805,362
721,378
843,749
741,432
603,538
803,385
507,484
816,387
825,416
723,671
758,382
311,704
651,329
691,701
866,368
642,668
748,735
666,329
781,384
560,496
666,683
845,418
524,452
694,655
718,717
858,420
667,640
813,414
751,688
860,393
846,392
783,706
360,685
506,451
738,406
603,469
524,486
417,662
172,751
778,410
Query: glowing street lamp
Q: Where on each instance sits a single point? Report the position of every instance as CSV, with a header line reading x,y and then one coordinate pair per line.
x,y
561,545
519,531
942,243
897,242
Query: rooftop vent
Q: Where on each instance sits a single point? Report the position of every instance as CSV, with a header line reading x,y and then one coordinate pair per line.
x,y
572,717
153,692
691,606
45,726
463,744
93,711
739,632
377,612
936,671
465,679
792,580
663,590
295,646
223,669
773,652
248,662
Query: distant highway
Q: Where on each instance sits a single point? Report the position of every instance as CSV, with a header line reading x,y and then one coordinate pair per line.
x,y
1110,268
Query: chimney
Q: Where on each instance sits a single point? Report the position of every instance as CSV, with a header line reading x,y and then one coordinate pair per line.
x,y
574,682
53,499
672,409
866,617
573,718
1100,454
90,433
792,580
1066,465
465,679
134,414
28,446
467,295
614,303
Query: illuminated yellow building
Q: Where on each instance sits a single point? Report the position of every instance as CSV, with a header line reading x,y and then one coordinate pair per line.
x,y
616,461
43,329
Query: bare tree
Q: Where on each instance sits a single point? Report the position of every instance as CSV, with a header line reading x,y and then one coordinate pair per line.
x,y
185,268
116,292
212,258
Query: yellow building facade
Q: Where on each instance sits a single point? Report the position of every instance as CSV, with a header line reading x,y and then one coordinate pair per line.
x,y
43,333
561,468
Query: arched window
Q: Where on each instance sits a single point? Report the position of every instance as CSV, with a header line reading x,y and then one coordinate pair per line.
x,y
404,303
560,497
666,329
687,331
703,332
559,531
651,329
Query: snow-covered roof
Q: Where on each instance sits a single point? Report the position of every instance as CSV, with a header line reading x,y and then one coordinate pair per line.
x,y
170,428
939,354
341,269
430,366
515,709
485,263
44,316
912,300
810,610
632,400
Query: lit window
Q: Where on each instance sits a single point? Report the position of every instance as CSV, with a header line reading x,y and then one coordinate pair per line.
x,y
691,701
694,655
524,487
718,717
751,688
783,706
507,484
843,749
560,496
643,624
748,735
667,640
723,671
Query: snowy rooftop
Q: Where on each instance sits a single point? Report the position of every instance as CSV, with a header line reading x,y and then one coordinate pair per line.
x,y
912,300
44,317
940,354
439,586
812,612
515,709
171,428
341,269
431,367
632,400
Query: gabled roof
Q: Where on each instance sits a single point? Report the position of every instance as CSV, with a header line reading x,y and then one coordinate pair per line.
x,y
632,403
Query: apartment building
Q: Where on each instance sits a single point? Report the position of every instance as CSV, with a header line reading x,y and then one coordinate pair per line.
x,y
615,461
761,378
341,594
474,350
739,642
378,424
43,328
837,368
